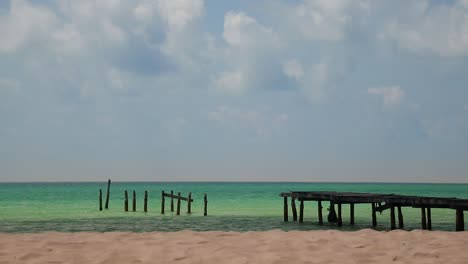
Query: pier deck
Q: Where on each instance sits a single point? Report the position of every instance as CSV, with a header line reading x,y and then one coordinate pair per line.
x,y
378,202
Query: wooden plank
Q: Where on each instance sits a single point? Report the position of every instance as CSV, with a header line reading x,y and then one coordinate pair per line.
x,y
285,209
392,218
126,201
177,197
460,221
163,202
340,220
429,219
374,216
293,208
320,216
423,218
351,213
178,203
401,224
301,211
108,193
100,199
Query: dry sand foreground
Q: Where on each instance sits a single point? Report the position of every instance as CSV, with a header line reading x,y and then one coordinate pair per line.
x,y
365,246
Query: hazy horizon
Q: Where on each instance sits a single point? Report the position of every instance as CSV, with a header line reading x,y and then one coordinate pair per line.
x,y
234,91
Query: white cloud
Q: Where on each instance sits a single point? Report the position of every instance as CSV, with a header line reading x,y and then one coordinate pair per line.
x,y
392,95
231,82
179,13
242,30
293,69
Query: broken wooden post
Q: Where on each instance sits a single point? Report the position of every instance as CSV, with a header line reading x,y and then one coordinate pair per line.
x,y
423,218
163,202
320,216
429,219
189,203
401,225
340,220
126,201
285,208
351,213
301,211
145,206
392,218
134,201
172,201
293,208
374,216
460,222
332,213
108,193
100,199
178,203
205,206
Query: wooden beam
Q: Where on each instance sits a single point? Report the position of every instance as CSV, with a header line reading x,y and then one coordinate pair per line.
x,y
178,203
293,208
340,220
429,219
100,199
176,197
392,218
126,201
301,211
320,216
351,213
460,222
163,202
285,209
423,218
108,193
374,216
401,224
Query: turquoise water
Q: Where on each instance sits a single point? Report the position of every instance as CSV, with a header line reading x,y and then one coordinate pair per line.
x,y
71,207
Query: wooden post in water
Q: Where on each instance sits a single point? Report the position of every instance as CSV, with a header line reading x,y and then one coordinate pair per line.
x,y
172,201
126,201
145,206
205,205
134,201
351,213
163,202
392,218
189,203
100,199
460,222
429,219
320,216
423,218
108,193
285,209
401,225
301,211
293,208
178,203
374,217
340,220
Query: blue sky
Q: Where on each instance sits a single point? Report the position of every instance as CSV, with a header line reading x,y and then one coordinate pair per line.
x,y
306,90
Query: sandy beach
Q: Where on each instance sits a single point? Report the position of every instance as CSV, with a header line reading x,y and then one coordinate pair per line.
x,y
365,246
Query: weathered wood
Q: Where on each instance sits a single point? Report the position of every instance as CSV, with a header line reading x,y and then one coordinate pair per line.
x,y
401,224
175,197
285,209
100,199
126,201
134,202
301,211
392,218
460,221
189,203
178,203
205,205
319,208
108,193
145,207
293,208
374,216
340,220
172,201
351,213
163,202
332,218
423,218
429,219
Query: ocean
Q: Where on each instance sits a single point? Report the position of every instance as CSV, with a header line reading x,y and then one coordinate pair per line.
x,y
243,206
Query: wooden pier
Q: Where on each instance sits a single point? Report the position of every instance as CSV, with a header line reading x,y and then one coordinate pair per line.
x,y
378,203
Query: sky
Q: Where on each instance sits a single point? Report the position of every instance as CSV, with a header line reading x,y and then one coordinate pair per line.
x,y
211,90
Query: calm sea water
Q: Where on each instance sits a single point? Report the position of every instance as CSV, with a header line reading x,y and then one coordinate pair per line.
x,y
71,207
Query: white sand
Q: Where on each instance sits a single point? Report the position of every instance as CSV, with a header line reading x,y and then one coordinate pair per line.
x,y
365,246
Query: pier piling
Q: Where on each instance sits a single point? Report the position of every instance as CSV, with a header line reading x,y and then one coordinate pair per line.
x,y
320,216
392,218
126,201
460,222
178,203
100,199
293,208
301,211
340,220
285,209
423,218
172,201
351,213
189,203
134,201
205,205
145,206
108,193
374,216
332,213
429,219
401,225
163,202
